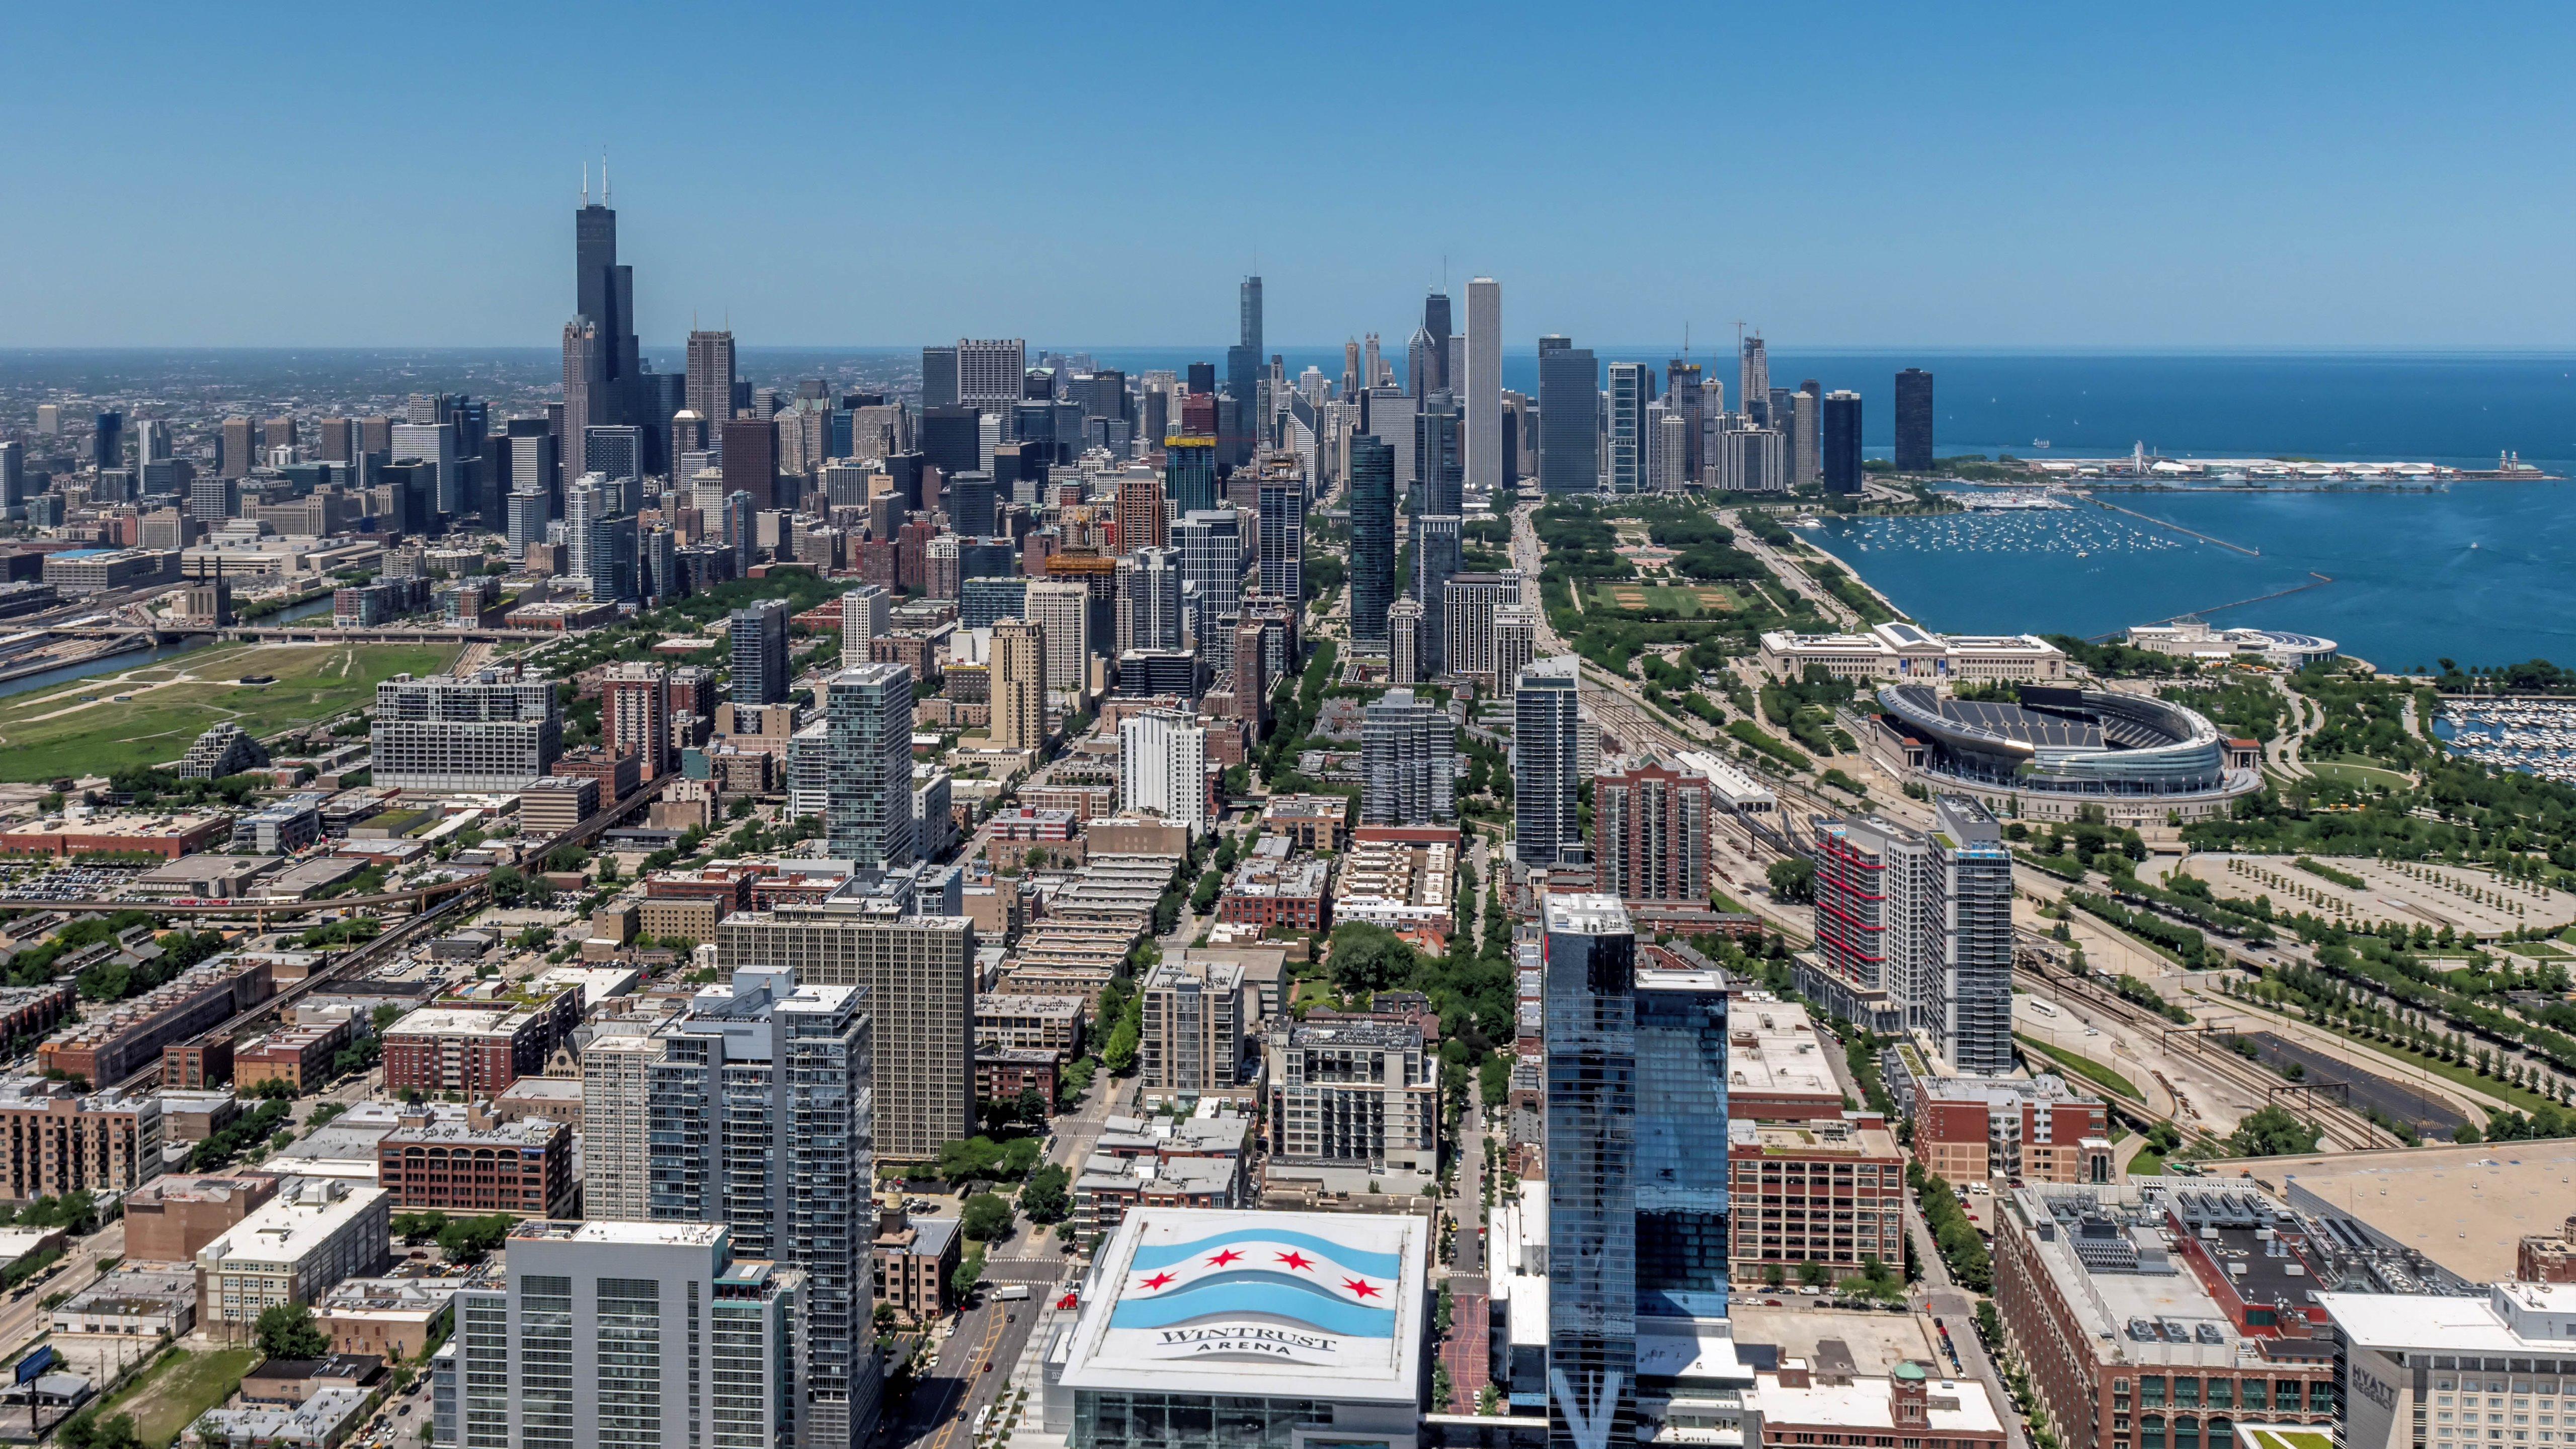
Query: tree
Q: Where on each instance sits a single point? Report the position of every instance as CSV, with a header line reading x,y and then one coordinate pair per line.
x,y
1032,1105
1369,958
467,1240
1043,1198
1813,1273
987,1218
2272,1132
1793,880
288,1331
1120,1055
970,1271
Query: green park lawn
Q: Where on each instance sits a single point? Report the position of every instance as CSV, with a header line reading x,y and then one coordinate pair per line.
x,y
1687,601
2356,773
82,728
179,1390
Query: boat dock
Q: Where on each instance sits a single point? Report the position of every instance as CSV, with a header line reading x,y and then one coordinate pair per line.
x,y
2178,528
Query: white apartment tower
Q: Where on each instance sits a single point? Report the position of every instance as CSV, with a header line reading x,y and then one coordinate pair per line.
x,y
1162,767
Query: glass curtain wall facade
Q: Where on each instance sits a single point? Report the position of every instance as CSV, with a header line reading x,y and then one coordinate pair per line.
x,y
1372,500
1681,1144
1590,974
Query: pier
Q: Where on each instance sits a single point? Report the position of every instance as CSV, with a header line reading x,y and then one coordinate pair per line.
x,y
2178,528
2315,581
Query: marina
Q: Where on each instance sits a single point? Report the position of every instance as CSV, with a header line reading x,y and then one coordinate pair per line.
x,y
2535,736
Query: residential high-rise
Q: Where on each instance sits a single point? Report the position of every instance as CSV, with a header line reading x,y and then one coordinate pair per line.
x,y
1408,762
1923,919
918,966
1149,599
13,473
992,374
938,377
1162,767
107,440
711,377
1193,1016
1404,641
1627,432
1841,443
1019,686
491,732
760,1117
1467,610
1805,459
1913,421
1061,610
1569,405
1547,763
1483,387
635,715
600,1334
1281,501
864,616
1372,510
1436,545
758,638
1650,828
1681,1172
1753,383
1139,512
1189,474
751,459
867,813
1687,392
1210,543
1589,979
616,1162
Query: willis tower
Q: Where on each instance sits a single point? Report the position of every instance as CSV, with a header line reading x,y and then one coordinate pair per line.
x,y
600,359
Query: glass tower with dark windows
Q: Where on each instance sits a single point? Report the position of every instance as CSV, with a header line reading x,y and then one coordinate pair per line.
x,y
1436,544
1189,474
1282,502
1913,421
1437,460
1681,1144
759,639
1569,413
938,377
1372,499
1589,961
1546,763
867,755
1841,442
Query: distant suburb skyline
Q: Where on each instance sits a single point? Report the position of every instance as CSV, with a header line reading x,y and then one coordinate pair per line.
x,y
2030,178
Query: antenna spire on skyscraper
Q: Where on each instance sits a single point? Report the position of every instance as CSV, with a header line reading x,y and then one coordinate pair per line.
x,y
585,183
603,176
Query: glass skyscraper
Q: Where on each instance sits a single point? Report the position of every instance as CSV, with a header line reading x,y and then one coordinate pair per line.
x,y
1589,960
1681,1144
1372,501
1546,764
1569,417
759,640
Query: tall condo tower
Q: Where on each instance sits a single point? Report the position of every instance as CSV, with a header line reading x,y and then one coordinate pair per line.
x,y
1483,386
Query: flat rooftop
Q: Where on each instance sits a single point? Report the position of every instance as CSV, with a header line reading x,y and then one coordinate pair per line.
x,y
1872,1343
2463,1207
1287,1305
631,1234
1773,1049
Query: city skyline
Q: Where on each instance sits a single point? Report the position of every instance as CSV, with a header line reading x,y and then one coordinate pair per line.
x,y
2160,182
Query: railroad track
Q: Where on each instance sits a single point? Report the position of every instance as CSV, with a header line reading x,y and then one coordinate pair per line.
x,y
2342,1126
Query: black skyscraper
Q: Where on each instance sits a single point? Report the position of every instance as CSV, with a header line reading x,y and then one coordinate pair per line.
x,y
952,439
1435,320
1202,377
1569,417
1372,494
1914,421
1839,442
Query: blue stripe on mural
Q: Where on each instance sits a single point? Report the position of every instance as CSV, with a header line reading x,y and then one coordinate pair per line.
x,y
1382,1265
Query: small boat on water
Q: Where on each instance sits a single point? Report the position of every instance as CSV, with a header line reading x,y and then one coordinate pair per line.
x,y
2039,442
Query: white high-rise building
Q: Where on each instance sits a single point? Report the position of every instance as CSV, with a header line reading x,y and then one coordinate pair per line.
x,y
1162,767
1484,385
864,613
1547,764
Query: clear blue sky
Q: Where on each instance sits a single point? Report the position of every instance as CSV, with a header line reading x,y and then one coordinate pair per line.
x,y
2171,175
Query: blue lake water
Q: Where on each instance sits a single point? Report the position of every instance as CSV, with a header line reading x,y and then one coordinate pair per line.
x,y
2477,572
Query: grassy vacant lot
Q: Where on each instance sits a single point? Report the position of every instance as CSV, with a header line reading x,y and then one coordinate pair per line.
x,y
1685,600
150,714
2082,1066
176,1393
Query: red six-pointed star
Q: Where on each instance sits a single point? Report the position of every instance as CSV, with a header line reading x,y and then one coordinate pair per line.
x,y
1221,1259
1360,1287
1296,1259
1158,1280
